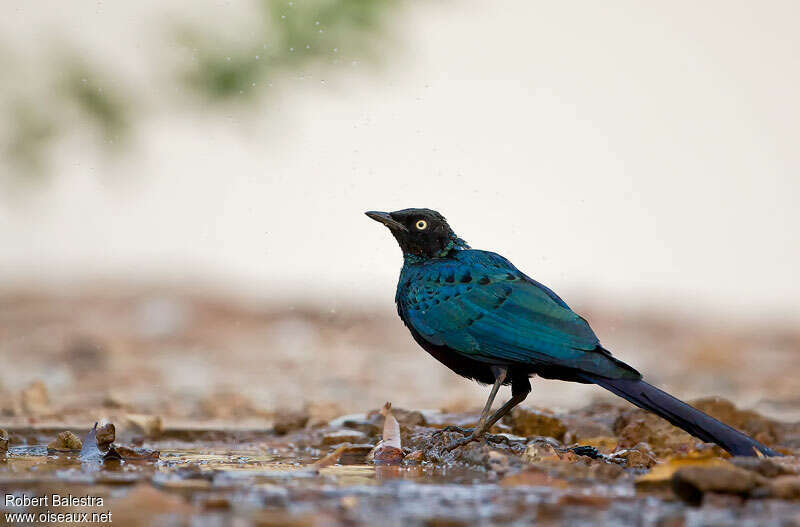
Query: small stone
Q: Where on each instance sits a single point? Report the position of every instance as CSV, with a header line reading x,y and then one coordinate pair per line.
x,y
35,399
499,462
785,487
692,482
286,421
386,455
636,457
105,434
534,423
343,436
538,451
416,456
65,442
766,466
3,441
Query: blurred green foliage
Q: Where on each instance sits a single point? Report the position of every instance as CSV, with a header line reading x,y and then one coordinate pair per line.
x,y
284,37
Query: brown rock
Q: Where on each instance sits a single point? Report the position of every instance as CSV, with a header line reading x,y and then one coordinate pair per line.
x,y
785,487
35,399
286,421
535,423
692,482
638,426
65,442
769,467
105,434
3,441
540,450
416,456
343,436
638,457
386,455
752,423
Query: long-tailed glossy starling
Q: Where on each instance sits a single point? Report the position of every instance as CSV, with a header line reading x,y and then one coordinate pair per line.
x,y
486,320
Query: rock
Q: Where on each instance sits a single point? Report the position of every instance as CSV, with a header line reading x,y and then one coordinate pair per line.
x,y
603,444
534,423
638,426
343,436
603,471
539,450
638,457
140,425
691,483
499,462
65,442
416,456
286,421
35,399
105,435
386,455
751,423
785,487
3,441
766,466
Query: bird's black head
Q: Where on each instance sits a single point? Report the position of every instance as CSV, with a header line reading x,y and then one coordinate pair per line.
x,y
421,233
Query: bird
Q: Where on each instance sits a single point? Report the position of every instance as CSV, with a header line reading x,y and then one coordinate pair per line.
x,y
486,320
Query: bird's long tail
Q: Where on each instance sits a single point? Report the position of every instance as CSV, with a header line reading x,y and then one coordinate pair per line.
x,y
680,414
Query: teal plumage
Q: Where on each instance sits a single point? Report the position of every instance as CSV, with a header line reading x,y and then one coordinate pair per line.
x,y
478,304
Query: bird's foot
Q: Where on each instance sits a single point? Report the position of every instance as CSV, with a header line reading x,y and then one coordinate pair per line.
x,y
452,428
489,438
463,441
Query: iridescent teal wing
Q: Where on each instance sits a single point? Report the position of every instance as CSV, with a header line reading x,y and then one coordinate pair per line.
x,y
483,307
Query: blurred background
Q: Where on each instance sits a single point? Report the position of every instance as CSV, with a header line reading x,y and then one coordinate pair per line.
x,y
182,189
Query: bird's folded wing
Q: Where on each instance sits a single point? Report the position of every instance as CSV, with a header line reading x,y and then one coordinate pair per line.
x,y
493,313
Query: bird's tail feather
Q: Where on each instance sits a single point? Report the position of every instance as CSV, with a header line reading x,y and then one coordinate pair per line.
x,y
680,414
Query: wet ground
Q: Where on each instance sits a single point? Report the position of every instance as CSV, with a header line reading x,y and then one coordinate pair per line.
x,y
231,415
592,465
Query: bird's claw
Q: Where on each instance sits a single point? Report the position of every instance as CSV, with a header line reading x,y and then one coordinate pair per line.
x,y
489,438
453,428
461,442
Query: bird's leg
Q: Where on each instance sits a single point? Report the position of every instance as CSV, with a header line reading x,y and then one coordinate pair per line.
x,y
500,374
520,388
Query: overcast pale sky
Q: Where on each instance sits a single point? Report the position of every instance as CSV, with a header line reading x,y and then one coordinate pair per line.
x,y
634,152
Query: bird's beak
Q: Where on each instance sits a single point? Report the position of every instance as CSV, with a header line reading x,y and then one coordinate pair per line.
x,y
386,219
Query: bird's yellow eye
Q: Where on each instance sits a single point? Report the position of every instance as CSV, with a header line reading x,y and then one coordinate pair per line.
x,y
422,225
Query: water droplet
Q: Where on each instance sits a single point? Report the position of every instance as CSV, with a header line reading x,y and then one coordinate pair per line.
x,y
291,49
